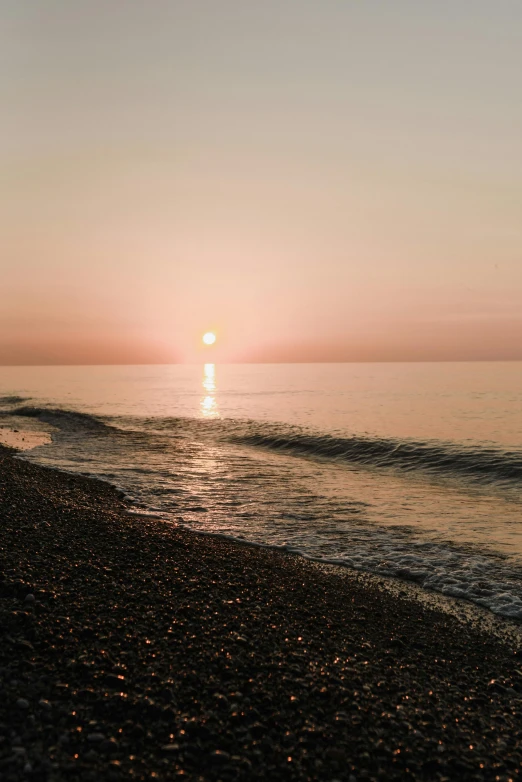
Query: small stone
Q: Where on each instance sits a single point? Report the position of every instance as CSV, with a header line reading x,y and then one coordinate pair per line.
x,y
109,745
64,738
220,756
137,731
19,751
28,768
44,704
336,754
30,599
22,703
91,755
95,738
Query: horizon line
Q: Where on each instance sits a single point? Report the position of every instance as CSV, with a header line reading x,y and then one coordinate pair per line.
x,y
270,363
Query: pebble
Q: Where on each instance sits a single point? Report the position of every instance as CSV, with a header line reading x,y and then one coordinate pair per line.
x,y
220,756
44,704
95,738
30,599
336,753
109,745
22,703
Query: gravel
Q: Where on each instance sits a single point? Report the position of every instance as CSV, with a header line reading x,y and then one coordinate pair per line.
x,y
150,652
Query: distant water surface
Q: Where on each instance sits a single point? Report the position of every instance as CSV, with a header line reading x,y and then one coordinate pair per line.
x,y
412,470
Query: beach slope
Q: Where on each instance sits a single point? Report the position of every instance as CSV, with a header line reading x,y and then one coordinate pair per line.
x,y
132,649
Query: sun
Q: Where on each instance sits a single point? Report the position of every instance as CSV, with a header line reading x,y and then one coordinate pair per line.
x,y
209,338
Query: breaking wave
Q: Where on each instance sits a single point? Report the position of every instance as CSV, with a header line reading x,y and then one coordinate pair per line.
x,y
484,463
475,462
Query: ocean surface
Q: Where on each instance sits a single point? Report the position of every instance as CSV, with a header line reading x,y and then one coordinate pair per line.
x,y
409,470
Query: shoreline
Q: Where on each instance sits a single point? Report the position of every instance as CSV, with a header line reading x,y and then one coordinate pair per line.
x,y
484,571
20,441
151,650
464,611
501,627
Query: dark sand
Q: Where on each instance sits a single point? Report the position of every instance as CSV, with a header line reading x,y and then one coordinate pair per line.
x,y
134,650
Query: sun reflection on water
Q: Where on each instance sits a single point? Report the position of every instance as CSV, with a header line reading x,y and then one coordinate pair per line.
x,y
209,407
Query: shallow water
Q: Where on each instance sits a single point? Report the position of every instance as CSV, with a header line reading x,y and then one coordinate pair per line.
x,y
410,470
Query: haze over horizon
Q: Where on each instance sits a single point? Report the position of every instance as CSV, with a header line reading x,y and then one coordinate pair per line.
x,y
328,181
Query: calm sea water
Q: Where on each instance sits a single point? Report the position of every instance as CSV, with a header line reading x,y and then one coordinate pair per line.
x,y
411,470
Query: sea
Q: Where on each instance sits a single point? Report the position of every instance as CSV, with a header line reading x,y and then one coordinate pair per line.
x,y
406,470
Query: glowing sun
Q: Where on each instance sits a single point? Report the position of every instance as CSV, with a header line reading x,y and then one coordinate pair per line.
x,y
209,338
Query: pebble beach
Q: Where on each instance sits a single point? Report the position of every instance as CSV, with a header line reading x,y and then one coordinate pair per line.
x,y
135,649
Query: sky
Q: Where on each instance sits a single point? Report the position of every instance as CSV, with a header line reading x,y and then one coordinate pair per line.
x,y
314,181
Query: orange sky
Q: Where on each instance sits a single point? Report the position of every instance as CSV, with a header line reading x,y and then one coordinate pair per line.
x,y
314,181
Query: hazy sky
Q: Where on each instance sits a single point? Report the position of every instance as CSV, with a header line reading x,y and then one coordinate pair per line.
x,y
313,179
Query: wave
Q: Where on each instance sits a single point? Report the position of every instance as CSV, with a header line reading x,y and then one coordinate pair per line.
x,y
484,463
62,419
13,399
487,464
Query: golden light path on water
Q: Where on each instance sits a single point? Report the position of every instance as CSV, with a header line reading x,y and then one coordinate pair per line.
x,y
208,403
